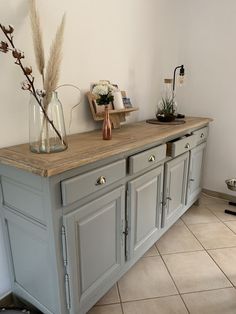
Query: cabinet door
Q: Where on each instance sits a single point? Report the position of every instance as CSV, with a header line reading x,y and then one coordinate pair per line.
x,y
145,211
176,174
95,246
195,172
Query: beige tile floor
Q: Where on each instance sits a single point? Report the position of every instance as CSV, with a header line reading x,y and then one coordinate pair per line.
x,y
191,269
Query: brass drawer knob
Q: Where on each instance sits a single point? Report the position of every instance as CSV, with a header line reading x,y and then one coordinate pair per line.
x,y
101,180
191,180
187,146
169,198
152,158
202,135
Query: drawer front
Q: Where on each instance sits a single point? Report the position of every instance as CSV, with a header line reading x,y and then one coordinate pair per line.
x,y
146,159
80,186
182,145
201,135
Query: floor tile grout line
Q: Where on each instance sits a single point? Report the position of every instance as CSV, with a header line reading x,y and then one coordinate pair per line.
x,y
162,297
224,222
174,283
219,219
106,304
206,290
157,247
195,237
212,259
229,226
118,290
152,298
192,251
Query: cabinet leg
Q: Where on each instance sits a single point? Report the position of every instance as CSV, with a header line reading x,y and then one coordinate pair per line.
x,y
197,203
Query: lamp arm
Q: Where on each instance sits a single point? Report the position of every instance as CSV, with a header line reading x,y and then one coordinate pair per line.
x,y
173,87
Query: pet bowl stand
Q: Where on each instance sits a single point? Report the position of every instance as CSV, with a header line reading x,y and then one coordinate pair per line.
x,y
231,184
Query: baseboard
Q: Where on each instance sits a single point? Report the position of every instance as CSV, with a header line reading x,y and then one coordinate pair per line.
x,y
225,196
7,300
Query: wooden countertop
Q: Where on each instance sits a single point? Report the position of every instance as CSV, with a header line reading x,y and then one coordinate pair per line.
x,y
86,148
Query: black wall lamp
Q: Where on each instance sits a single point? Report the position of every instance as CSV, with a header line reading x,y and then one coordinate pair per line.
x,y
181,75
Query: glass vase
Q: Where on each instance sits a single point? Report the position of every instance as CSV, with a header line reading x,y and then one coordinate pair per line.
x,y
106,128
46,125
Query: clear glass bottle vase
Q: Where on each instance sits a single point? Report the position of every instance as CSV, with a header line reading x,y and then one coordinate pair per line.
x,y
46,127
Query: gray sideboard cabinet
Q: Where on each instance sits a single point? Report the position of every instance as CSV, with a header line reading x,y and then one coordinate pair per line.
x,y
75,222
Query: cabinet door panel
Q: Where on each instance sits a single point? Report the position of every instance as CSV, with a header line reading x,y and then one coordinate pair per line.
x,y
32,267
145,205
95,244
176,174
195,171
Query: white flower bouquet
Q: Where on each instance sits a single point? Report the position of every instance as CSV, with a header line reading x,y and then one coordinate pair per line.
x,y
103,91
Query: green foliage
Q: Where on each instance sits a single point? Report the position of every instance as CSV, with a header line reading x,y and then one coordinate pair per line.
x,y
105,99
167,106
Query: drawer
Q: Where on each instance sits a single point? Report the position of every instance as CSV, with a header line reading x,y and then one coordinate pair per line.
x,y
146,159
85,184
182,145
201,135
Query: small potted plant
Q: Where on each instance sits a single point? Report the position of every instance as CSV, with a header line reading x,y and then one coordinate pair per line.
x,y
166,110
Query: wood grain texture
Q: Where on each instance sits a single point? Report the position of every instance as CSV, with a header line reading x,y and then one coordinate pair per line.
x,y
86,148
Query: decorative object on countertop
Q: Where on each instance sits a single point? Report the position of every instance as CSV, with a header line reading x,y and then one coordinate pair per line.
x,y
118,100
103,92
181,76
42,137
166,108
231,184
49,123
116,115
106,127
181,82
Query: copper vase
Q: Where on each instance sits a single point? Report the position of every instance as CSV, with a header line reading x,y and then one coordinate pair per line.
x,y
106,128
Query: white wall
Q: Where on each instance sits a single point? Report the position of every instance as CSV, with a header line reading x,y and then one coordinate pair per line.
x,y
128,42
208,49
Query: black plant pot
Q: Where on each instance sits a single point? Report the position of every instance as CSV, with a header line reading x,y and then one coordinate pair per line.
x,y
166,118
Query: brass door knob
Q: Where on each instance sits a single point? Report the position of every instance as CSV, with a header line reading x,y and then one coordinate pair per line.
x,y
187,146
101,180
152,158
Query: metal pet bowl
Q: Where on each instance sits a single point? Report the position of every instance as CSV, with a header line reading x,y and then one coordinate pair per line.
x,y
231,183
